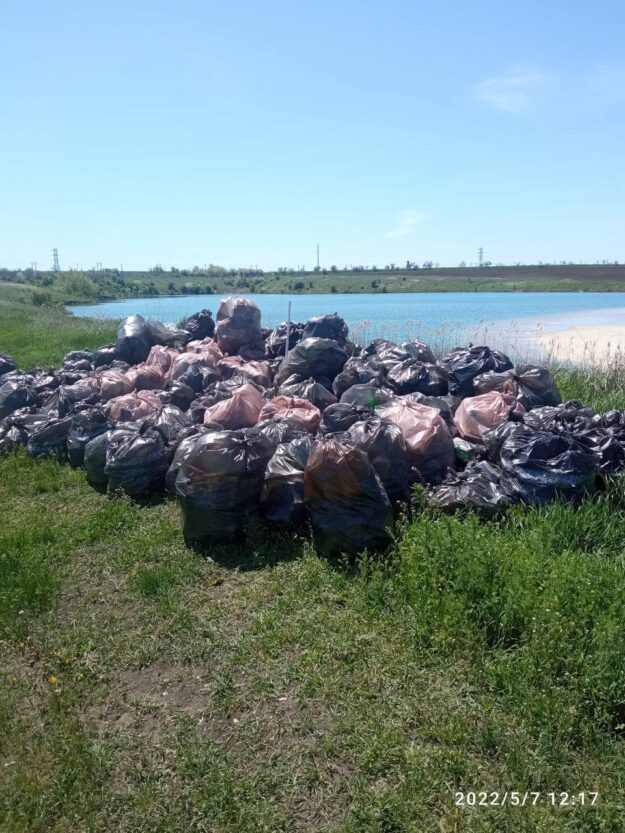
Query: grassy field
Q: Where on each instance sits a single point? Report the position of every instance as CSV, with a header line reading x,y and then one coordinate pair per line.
x,y
146,688
41,336
46,288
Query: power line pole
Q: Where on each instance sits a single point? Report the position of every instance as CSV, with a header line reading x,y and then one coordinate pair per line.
x,y
55,257
317,255
481,256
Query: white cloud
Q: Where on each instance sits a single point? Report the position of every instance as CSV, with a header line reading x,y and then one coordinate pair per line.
x,y
512,93
406,223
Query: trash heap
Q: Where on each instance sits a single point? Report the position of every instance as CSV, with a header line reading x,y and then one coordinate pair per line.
x,y
222,416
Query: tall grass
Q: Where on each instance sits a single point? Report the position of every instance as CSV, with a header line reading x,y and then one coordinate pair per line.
x,y
41,336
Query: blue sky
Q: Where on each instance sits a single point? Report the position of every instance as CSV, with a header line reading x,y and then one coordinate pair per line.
x,y
245,133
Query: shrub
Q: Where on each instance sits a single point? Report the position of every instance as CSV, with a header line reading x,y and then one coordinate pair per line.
x,y
42,299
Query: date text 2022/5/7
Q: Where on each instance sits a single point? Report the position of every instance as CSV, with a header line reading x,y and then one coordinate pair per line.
x,y
514,798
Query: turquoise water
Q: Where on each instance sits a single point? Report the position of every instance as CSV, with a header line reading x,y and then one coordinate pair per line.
x,y
502,318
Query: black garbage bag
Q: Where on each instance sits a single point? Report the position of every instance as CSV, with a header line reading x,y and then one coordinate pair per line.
x,y
166,334
359,371
319,358
418,350
478,487
7,364
543,466
327,326
136,462
136,336
609,449
282,498
104,356
532,385
62,402
571,416
169,421
95,453
536,386
77,356
389,355
15,395
293,379
186,441
94,459
338,418
277,431
414,376
220,483
384,445
50,439
495,438
349,508
26,418
275,345
44,382
199,377
463,364
376,345
11,436
368,396
489,381
71,377
255,351
133,340
614,423
181,396
313,391
78,360
238,324
17,376
199,406
85,425
201,324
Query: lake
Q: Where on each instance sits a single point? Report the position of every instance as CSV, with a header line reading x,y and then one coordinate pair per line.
x,y
506,319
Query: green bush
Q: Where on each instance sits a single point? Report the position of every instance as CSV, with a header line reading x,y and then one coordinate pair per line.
x,y
41,298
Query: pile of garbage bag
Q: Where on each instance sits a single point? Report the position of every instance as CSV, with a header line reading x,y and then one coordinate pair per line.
x,y
226,418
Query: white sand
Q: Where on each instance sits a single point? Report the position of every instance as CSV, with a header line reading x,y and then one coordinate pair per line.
x,y
599,344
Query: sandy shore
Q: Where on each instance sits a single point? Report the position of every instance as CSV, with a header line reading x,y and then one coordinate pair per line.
x,y
594,344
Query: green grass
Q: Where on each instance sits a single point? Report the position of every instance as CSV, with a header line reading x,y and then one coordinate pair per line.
x,y
145,688
41,336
